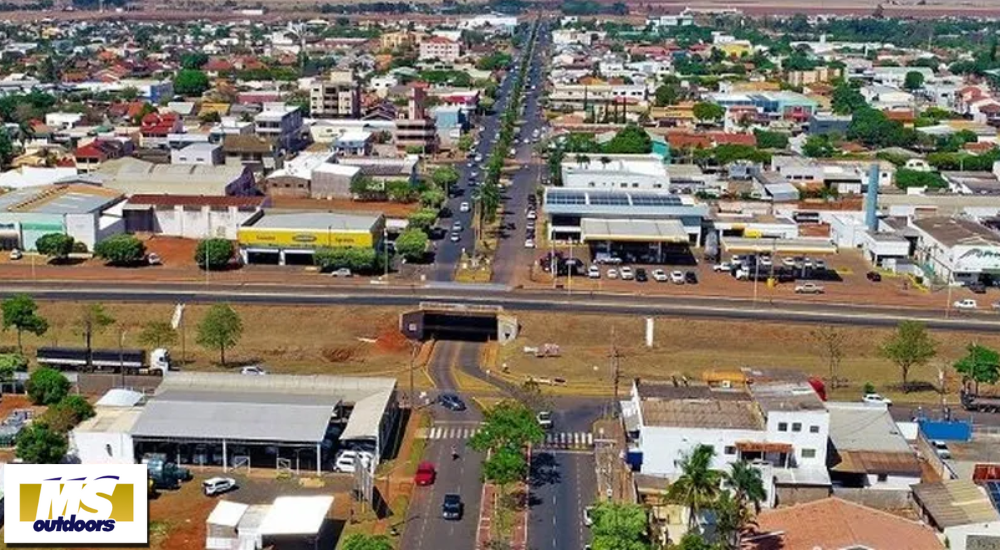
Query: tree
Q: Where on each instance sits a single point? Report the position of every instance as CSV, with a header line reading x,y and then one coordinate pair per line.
x,y
818,146
908,347
915,178
6,149
213,254
412,244
771,140
220,329
93,320
55,245
445,177
666,94
20,312
423,219
913,80
355,259
361,541
432,198
747,485
190,82
630,140
830,342
694,541
365,188
193,60
67,413
11,363
619,526
507,424
698,485
846,99
465,143
504,466
731,518
158,334
39,444
708,112
47,386
121,249
980,364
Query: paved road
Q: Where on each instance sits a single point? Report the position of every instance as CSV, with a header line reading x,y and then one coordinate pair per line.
x,y
425,528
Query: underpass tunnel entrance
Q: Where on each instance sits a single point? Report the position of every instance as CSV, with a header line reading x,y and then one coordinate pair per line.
x,y
458,322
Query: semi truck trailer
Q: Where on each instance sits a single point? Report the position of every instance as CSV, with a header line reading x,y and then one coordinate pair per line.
x,y
134,361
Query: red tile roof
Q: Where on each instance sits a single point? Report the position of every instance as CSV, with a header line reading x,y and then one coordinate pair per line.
x,y
832,524
727,138
682,140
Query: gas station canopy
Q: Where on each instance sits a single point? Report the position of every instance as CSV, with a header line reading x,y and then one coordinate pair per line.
x,y
636,230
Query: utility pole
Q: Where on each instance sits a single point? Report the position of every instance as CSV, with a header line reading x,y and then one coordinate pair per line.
x,y
413,353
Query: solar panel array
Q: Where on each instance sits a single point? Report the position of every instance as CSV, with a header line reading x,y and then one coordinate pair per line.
x,y
565,198
573,197
993,489
608,199
655,200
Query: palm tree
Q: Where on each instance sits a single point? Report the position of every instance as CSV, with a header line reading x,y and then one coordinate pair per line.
x,y
699,485
747,485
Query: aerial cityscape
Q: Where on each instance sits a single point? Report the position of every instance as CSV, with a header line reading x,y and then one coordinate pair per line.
x,y
504,275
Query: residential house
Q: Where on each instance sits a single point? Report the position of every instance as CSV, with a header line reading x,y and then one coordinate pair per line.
x,y
962,511
205,153
89,157
156,127
356,143
259,152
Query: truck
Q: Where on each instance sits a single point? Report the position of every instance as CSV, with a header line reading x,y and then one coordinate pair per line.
x,y
981,403
134,361
164,474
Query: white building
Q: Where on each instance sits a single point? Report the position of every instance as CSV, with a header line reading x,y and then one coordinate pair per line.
x,y
670,21
283,123
957,250
645,172
203,153
440,48
191,216
869,450
106,438
887,97
961,510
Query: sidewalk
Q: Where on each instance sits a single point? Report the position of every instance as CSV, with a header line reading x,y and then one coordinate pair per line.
x,y
614,479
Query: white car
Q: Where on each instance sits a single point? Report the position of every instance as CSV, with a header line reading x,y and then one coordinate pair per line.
x,y
809,288
253,370
342,272
594,272
941,449
876,399
788,261
660,276
967,303
532,215
16,254
154,259
545,420
217,485
627,274
765,261
612,273
529,243
347,461
464,207
588,518
677,277
724,266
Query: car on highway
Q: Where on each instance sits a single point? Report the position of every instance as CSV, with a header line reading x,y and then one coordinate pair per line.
x,y
452,507
966,304
455,237
594,272
457,226
640,275
723,266
545,419
253,370
809,288
874,276
342,272
217,485
426,474
451,402
677,277
532,214
626,273
876,399
660,276
464,207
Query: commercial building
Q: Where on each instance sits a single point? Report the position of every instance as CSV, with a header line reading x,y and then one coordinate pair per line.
x,y
957,250
191,216
339,96
289,522
633,172
963,511
868,451
294,237
581,96
85,212
107,437
204,154
779,105
134,176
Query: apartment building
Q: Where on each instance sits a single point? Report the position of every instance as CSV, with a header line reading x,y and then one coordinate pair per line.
x,y
337,96
281,123
440,48
580,95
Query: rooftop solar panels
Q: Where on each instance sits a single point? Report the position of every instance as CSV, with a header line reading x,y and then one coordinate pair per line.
x,y
566,198
655,200
993,489
608,199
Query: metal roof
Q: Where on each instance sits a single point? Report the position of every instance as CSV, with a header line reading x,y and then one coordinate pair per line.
x,y
227,513
864,427
366,417
302,515
667,231
955,502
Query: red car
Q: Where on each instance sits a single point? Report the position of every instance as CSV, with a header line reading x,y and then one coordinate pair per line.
x,y
425,474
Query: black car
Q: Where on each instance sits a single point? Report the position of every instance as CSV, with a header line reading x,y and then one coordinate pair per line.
x,y
452,507
640,275
691,278
977,287
873,276
451,402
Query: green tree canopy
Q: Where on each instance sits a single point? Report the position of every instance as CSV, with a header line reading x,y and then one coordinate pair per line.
x,y
21,312
121,249
620,526
361,260
39,444
445,177
193,60
158,334
423,219
214,253
361,541
819,146
915,178
666,94
55,245
980,364
846,99
7,151
505,466
913,80
412,244
698,485
47,386
630,140
507,424
909,346
220,329
708,112
190,82
771,140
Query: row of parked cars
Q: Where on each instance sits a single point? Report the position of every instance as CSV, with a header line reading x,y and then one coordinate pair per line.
x,y
531,215
640,275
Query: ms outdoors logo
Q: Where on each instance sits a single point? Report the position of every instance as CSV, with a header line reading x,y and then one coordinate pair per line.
x,y
75,504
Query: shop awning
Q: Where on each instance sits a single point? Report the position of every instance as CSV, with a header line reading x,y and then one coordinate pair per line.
x,y
779,246
763,447
634,230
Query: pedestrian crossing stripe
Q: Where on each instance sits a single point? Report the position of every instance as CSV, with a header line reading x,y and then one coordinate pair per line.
x,y
563,440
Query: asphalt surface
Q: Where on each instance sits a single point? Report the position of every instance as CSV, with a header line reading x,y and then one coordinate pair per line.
x,y
425,529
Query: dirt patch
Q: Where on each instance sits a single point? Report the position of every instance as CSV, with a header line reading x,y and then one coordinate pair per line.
x,y
173,251
391,340
339,355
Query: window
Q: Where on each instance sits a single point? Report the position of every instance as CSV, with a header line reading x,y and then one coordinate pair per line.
x,y
808,453
730,450
782,426
796,426
814,429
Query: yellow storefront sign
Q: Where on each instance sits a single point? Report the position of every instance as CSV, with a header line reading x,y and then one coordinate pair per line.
x,y
290,238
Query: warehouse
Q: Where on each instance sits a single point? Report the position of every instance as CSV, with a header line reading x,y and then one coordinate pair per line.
x,y
87,213
958,250
273,421
283,238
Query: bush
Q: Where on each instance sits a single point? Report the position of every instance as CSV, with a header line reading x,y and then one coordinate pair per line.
x,y
355,259
423,219
121,250
39,444
412,244
215,253
47,386
79,406
56,245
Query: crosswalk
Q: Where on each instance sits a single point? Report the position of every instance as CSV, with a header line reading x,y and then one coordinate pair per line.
x,y
553,440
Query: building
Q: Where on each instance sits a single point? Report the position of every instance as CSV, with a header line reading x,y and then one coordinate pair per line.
x,y
204,154
294,237
583,96
338,97
289,522
887,97
280,123
356,143
105,438
440,48
417,131
641,172
819,74
191,216
828,123
833,523
962,511
89,157
133,176
957,250
84,212
256,152
868,450
777,105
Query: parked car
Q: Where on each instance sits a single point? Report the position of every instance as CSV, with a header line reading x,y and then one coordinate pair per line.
x,y
640,275
788,261
342,272
626,273
966,304
594,272
809,288
154,259
457,226
16,254
464,207
529,243
545,420
588,516
941,449
819,264
532,214
660,276
253,370
873,276
612,273
765,261
217,485
977,287
876,399
451,402
455,237
347,461
724,266
452,507
426,474
677,277
691,278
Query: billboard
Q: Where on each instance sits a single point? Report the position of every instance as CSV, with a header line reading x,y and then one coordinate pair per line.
x,y
307,238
